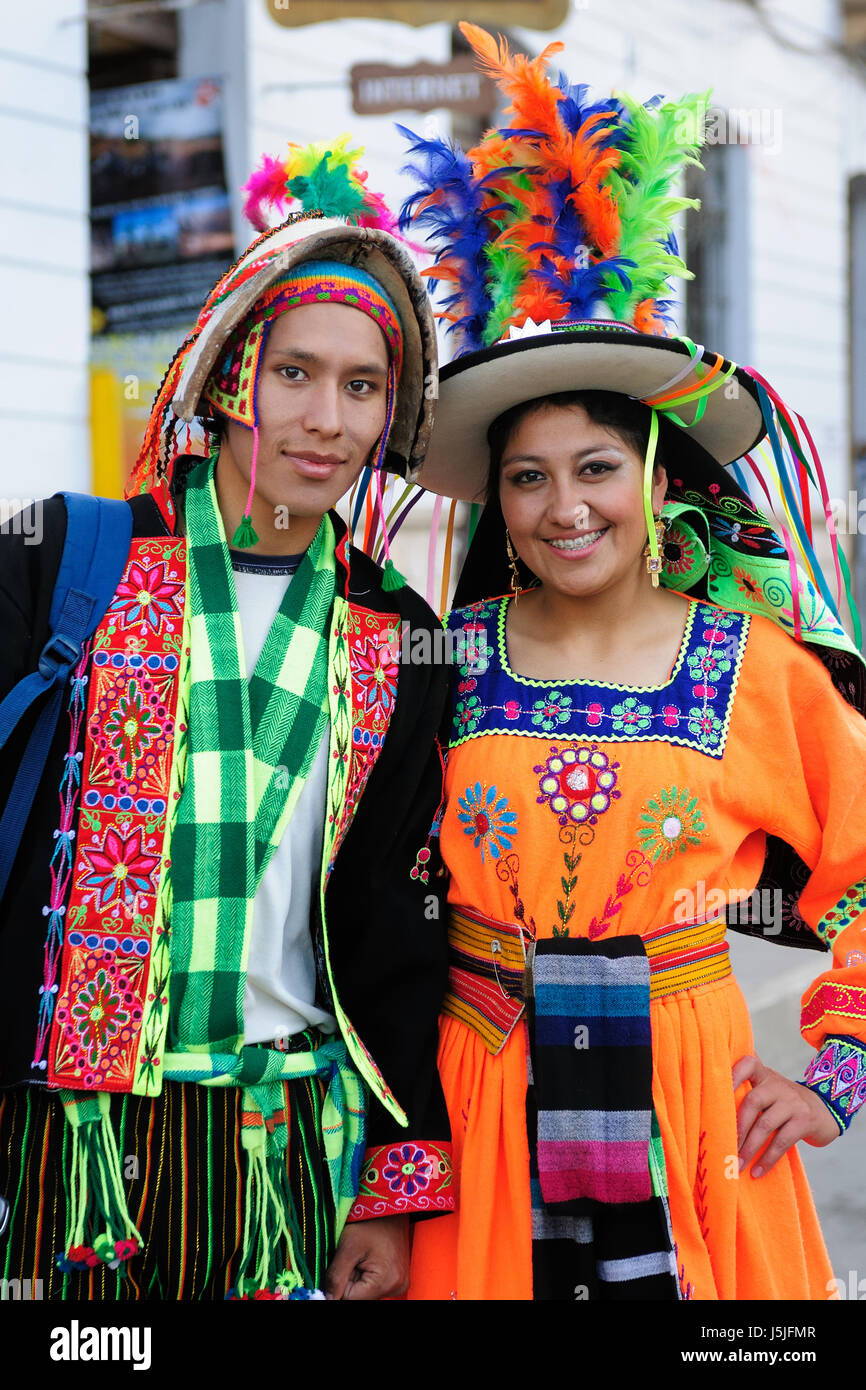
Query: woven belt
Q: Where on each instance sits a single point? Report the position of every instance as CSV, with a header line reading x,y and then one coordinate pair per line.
x,y
491,968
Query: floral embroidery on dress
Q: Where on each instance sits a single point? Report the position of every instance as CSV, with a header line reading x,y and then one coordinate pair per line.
x,y
485,815
631,714
553,711
577,783
692,708
671,822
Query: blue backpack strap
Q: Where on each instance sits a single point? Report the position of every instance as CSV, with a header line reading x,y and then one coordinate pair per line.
x,y
98,533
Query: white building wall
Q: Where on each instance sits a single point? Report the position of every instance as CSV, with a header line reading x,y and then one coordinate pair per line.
x,y
44,250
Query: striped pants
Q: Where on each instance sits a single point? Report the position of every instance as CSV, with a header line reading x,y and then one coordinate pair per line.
x,y
181,1159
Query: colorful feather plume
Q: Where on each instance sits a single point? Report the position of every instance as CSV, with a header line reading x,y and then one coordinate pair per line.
x,y
452,203
658,144
562,214
321,177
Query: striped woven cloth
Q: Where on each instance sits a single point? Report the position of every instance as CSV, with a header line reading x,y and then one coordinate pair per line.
x,y
601,1225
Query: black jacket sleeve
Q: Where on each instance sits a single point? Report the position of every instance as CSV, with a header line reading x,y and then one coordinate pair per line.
x,y
386,906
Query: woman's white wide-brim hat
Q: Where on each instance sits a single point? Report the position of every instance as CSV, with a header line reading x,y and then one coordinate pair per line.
x,y
383,257
475,389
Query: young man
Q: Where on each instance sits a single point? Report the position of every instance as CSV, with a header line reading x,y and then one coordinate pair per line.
x,y
221,940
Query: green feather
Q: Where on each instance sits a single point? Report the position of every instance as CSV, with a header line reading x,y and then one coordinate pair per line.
x,y
506,273
331,190
659,145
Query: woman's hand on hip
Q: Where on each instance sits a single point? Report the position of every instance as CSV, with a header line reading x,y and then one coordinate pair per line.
x,y
779,1110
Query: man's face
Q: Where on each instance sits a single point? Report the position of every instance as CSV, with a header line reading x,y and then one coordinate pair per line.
x,y
321,409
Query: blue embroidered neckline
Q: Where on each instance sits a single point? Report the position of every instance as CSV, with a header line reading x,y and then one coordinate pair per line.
x,y
692,708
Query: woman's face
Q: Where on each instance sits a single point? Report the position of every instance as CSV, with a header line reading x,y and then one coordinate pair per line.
x,y
571,492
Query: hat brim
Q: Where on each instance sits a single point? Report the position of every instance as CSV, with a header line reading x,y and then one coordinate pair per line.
x,y
374,251
477,388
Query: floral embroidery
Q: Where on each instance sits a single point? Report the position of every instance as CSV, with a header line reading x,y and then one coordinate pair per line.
x,y
112,932
670,822
553,711
747,584
706,664
467,714
408,1170
145,595
678,551
578,784
473,651
568,881
639,874
631,714
98,1013
486,817
375,672
361,705
119,870
413,1176
61,859
705,725
130,728
692,709
736,533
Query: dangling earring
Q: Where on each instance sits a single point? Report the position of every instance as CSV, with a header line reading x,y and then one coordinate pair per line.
x,y
512,560
654,561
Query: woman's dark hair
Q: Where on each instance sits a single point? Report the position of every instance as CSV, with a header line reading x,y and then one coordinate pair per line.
x,y
627,418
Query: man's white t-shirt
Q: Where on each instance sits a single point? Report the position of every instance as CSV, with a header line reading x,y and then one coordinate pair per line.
x,y
281,972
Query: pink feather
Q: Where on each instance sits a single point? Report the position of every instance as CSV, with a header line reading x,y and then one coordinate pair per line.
x,y
266,185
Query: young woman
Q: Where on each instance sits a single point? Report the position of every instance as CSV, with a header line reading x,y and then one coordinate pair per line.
x,y
628,763
619,755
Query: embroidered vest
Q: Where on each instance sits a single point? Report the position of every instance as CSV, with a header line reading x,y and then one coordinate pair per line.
x,y
103,1010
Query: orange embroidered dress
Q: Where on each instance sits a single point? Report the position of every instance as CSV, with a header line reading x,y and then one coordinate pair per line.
x,y
584,809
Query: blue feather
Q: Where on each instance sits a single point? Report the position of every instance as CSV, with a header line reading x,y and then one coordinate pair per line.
x,y
574,110
457,225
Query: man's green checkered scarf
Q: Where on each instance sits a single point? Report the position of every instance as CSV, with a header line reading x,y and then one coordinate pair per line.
x,y
249,752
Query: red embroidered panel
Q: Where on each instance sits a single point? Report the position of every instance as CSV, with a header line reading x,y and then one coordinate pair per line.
x,y
830,1001
121,826
373,646
409,1176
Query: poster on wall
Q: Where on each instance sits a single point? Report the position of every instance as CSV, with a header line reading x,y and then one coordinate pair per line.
x,y
161,236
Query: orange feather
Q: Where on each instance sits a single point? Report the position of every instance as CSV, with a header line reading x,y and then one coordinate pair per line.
x,y
534,98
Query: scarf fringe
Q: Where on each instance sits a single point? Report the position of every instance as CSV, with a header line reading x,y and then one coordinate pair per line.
x,y
100,1229
270,1221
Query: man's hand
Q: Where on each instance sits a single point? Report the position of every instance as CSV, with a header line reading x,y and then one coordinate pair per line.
x,y
371,1260
778,1108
